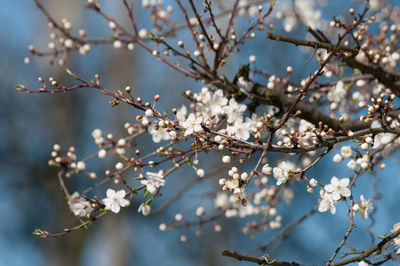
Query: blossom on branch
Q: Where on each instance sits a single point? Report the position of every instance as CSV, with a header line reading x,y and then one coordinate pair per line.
x,y
115,200
153,181
79,206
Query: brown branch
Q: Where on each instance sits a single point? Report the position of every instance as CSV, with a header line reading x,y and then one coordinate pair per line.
x,y
384,76
313,44
263,260
367,252
390,80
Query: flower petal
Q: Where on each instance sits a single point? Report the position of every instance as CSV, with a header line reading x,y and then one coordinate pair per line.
x,y
329,188
346,192
334,181
110,193
124,202
344,182
115,207
121,194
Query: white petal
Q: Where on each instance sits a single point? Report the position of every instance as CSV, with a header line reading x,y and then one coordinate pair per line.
x,y
323,206
110,193
346,192
152,189
336,195
329,188
344,182
107,202
124,202
334,180
189,131
121,194
333,209
115,207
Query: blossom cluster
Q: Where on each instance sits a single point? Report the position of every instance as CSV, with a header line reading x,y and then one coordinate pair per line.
x,y
333,192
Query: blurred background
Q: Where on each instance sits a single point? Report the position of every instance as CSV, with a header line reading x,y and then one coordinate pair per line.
x,y
31,123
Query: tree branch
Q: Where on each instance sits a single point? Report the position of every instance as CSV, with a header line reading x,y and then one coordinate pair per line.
x,y
367,252
384,76
263,260
313,44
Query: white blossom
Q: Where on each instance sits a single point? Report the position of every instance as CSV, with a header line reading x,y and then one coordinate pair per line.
x,y
239,130
266,170
352,164
337,93
80,166
153,181
145,209
79,206
337,158
115,200
234,111
365,206
396,240
192,124
346,151
281,172
326,202
158,133
181,114
338,188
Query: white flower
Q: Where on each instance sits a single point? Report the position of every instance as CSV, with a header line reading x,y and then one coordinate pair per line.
x,y
117,44
226,159
397,239
337,93
313,182
327,202
362,263
382,139
153,181
115,200
119,166
143,33
266,170
144,209
234,111
281,172
337,158
102,153
239,130
365,205
79,206
352,164
200,172
338,188
158,133
217,102
80,166
181,114
346,151
192,124
204,96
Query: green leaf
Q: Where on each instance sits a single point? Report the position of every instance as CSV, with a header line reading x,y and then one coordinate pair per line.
x,y
149,202
70,72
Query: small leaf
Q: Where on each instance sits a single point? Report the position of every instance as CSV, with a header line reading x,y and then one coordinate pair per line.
x,y
69,72
149,202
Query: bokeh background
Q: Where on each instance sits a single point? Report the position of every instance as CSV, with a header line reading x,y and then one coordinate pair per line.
x,y
30,124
